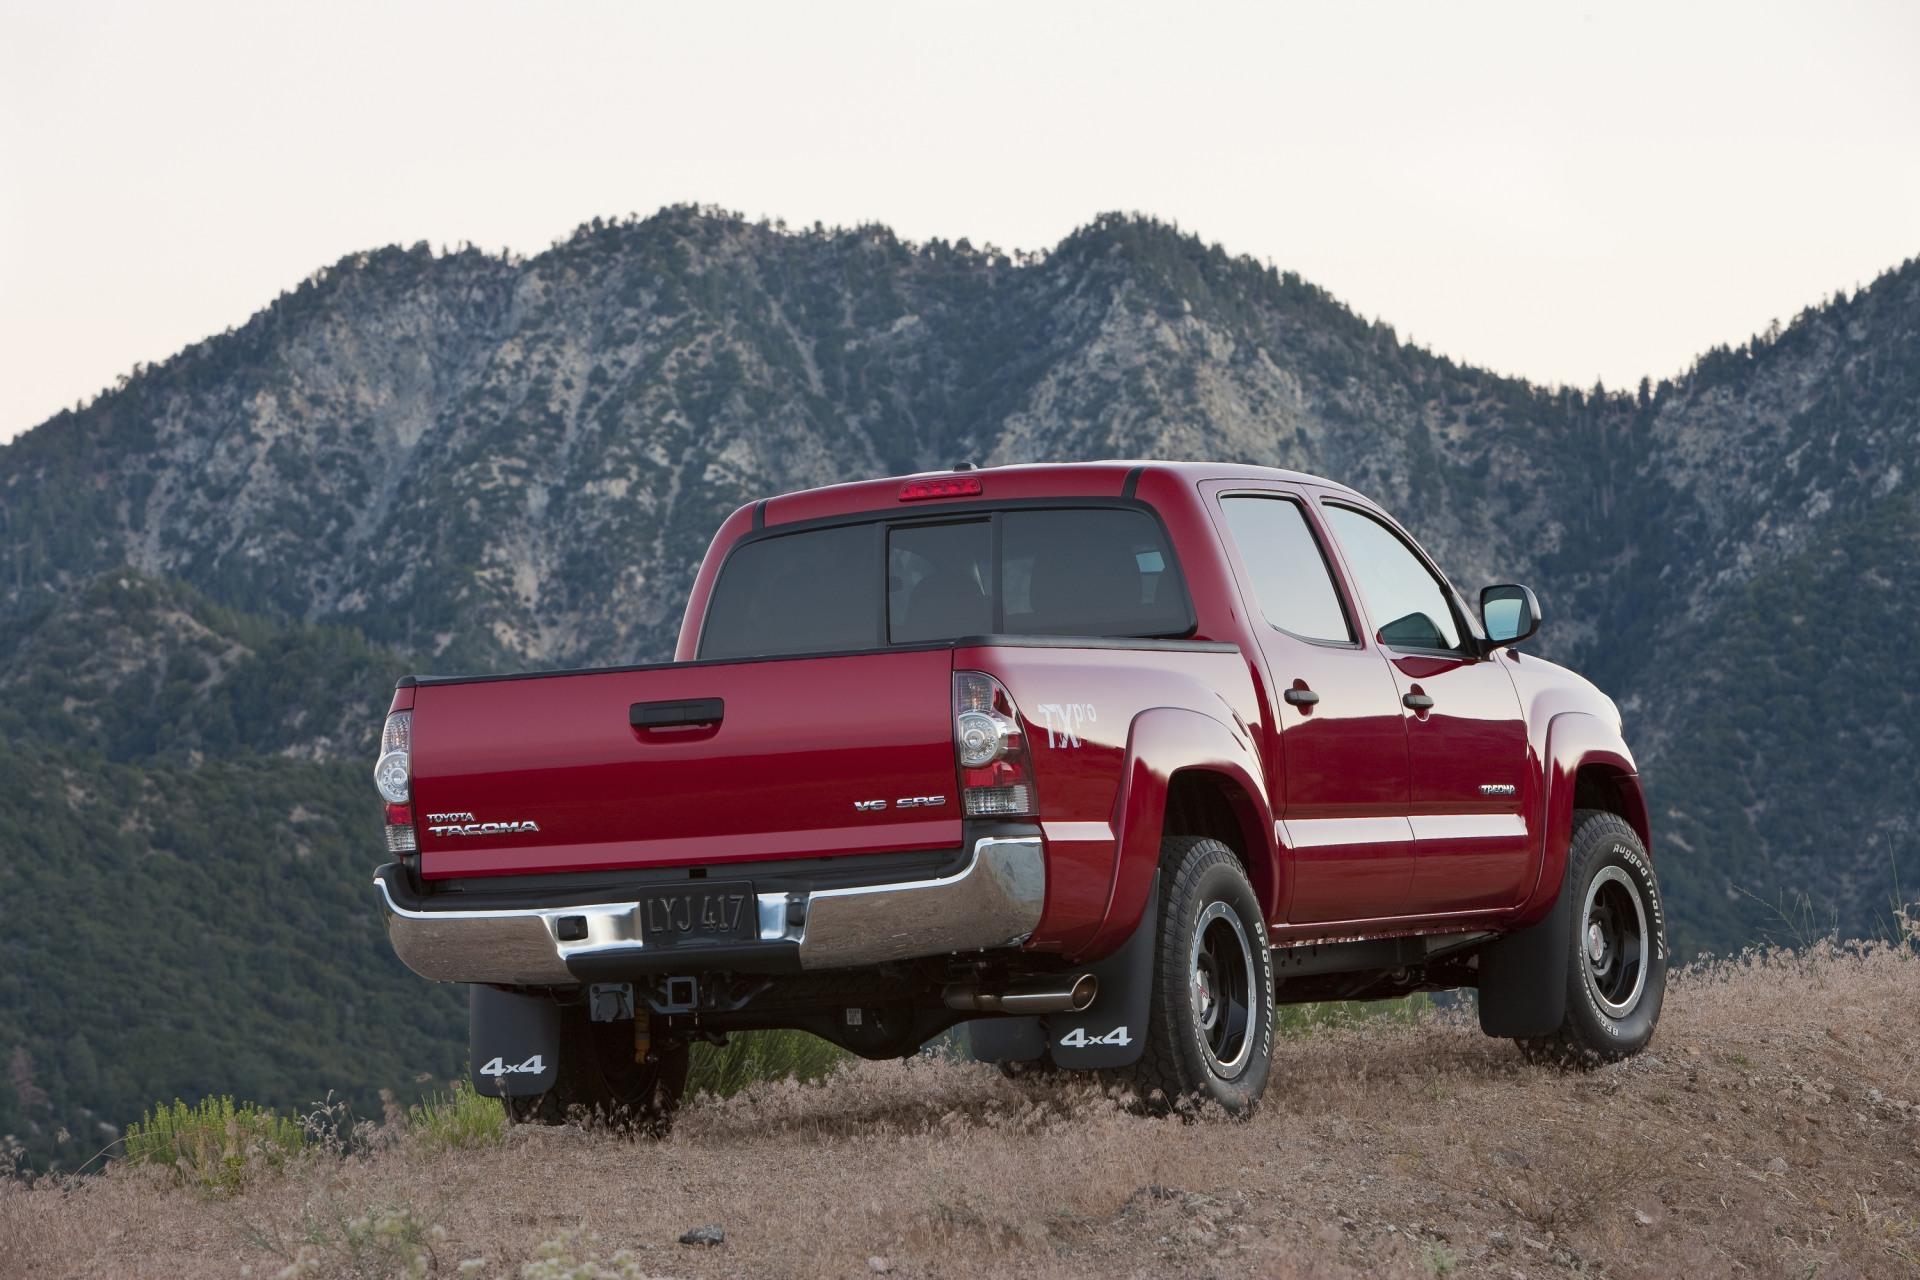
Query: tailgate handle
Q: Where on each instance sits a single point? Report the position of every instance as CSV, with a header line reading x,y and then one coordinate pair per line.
x,y
666,715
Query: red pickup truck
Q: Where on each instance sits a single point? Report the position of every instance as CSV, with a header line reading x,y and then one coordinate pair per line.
x,y
1103,759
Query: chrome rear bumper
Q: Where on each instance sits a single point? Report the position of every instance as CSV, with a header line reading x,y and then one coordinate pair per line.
x,y
994,901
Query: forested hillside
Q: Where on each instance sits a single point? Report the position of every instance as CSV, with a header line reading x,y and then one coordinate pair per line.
x,y
210,575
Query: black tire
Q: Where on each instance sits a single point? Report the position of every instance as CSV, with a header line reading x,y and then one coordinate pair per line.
x,y
600,1083
1209,1033
1616,948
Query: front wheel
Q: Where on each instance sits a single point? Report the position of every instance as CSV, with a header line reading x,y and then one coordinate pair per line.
x,y
1617,948
1209,1033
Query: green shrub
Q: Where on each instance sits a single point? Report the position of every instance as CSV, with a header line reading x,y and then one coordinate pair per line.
x,y
214,1144
749,1057
1305,1019
456,1121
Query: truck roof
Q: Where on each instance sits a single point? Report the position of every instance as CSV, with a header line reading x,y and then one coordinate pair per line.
x,y
1107,478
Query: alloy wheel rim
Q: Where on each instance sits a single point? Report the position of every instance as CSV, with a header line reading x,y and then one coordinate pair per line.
x,y
1221,985
1613,941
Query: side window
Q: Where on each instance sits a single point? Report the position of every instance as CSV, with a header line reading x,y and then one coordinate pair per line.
x,y
1406,600
1290,577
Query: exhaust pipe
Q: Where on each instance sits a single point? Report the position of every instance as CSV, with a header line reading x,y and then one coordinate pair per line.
x,y
1068,993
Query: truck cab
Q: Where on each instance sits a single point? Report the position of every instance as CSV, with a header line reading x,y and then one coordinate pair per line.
x,y
1104,760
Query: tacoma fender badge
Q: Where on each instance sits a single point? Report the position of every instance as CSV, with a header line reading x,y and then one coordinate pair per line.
x,y
1497,788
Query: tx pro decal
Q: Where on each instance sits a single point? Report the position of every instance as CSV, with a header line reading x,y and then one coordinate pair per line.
x,y
1064,720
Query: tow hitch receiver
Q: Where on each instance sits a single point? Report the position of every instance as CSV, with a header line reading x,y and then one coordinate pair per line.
x,y
675,995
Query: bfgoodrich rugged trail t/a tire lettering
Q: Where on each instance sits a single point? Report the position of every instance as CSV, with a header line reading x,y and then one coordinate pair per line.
x,y
1209,1033
1617,947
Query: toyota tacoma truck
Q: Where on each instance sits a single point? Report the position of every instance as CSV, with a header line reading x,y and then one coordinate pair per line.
x,y
1104,760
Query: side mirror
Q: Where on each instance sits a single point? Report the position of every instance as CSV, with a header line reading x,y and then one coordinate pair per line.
x,y
1510,613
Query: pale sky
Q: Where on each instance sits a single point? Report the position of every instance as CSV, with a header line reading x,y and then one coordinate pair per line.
x,y
1561,194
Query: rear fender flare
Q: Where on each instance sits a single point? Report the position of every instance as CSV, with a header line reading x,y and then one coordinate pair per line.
x,y
1161,743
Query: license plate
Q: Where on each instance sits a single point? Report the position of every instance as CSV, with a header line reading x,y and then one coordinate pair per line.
x,y
721,911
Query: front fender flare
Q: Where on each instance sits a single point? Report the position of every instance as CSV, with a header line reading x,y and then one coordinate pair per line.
x,y
1578,740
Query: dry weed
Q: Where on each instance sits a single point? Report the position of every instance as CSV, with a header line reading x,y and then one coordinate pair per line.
x,y
1771,1130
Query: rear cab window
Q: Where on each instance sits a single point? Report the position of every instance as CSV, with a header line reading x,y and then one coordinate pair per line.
x,y
1090,571
801,593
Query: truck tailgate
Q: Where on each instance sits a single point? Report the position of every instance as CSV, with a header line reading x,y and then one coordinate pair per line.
x,y
797,745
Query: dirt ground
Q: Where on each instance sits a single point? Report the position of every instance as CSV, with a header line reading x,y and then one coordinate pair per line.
x,y
1773,1129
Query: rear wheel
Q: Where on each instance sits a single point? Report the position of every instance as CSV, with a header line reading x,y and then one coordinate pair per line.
x,y
1617,948
1209,1033
608,1074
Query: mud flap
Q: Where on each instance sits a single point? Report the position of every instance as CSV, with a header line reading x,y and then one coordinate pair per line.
x,y
1112,1032
1005,1039
1523,977
513,1043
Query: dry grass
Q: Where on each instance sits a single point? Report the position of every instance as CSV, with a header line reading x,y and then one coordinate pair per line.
x,y
1773,1130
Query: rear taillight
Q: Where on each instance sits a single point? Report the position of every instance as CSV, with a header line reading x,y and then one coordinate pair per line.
x,y
400,837
996,770
393,775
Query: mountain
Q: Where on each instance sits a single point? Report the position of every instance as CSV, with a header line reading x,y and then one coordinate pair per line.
x,y
209,575
184,847
522,462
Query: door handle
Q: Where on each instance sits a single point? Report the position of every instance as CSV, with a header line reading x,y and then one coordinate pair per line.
x,y
667,715
1417,702
1301,697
